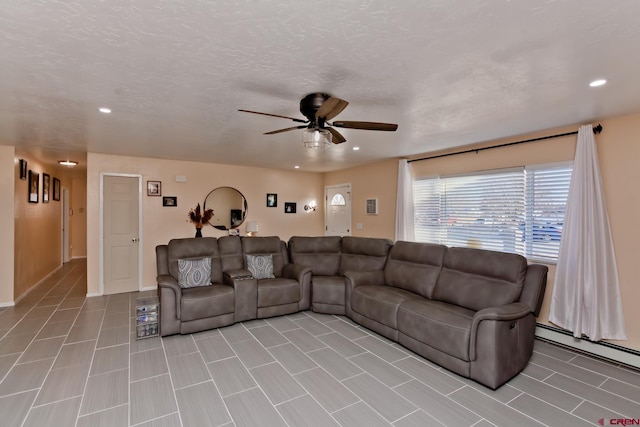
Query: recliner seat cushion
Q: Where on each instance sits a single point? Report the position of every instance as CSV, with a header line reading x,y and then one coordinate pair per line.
x,y
478,278
443,326
278,291
328,289
206,301
380,303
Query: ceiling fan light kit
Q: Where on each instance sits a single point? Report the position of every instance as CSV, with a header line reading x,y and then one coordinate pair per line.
x,y
319,108
316,138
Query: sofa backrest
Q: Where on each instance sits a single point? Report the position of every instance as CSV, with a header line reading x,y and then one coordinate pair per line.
x,y
363,253
414,266
266,246
321,253
478,278
195,248
231,253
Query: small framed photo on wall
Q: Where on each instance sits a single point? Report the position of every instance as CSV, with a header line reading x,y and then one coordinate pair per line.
x,y
272,200
154,188
46,187
170,201
34,186
56,189
372,207
289,207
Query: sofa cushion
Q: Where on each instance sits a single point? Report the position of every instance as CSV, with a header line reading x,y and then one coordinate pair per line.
x,y
414,267
478,278
207,301
278,291
440,325
260,266
194,248
322,253
380,303
363,253
328,289
194,272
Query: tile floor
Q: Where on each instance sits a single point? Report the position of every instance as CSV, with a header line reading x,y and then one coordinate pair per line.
x,y
67,360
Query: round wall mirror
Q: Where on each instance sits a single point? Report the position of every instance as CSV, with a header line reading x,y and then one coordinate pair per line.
x,y
229,208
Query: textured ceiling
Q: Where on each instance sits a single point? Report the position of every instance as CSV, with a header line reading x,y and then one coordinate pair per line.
x,y
175,72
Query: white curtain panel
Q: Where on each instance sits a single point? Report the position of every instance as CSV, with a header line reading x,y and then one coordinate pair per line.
x,y
404,203
586,294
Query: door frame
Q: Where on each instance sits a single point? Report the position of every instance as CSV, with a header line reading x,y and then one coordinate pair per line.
x,y
140,241
65,220
326,205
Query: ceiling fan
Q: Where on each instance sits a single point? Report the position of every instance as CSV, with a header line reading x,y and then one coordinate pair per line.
x,y
319,108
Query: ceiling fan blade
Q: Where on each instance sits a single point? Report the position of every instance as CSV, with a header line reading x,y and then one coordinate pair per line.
x,y
337,137
275,115
390,127
331,108
273,132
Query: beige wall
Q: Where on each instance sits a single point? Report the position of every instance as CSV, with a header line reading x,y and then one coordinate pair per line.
x,y
9,174
377,181
160,224
618,148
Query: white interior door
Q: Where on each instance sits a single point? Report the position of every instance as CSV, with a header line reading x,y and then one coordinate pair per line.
x,y
338,210
121,234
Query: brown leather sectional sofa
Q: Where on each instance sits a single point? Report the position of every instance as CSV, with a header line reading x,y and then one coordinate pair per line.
x,y
471,311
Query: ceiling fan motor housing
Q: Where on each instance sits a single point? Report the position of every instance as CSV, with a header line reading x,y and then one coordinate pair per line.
x,y
310,104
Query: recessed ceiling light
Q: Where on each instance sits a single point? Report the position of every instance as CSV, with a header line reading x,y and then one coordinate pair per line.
x,y
70,163
296,167
356,148
598,82
104,110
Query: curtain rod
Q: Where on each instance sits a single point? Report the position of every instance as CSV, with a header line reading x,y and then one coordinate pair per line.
x,y
597,129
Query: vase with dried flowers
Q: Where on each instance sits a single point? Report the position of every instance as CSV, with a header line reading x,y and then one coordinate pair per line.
x,y
198,217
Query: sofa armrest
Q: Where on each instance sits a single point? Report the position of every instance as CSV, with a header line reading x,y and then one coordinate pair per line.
x,y
302,274
239,273
504,313
245,294
535,283
359,278
295,271
169,283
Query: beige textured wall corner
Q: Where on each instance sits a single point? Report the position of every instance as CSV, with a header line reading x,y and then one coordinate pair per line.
x,y
376,181
9,173
160,224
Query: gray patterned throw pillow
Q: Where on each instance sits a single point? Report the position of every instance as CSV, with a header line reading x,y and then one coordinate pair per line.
x,y
194,272
260,266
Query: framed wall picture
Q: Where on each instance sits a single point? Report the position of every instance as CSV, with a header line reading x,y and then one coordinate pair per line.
x,y
56,189
23,169
34,186
289,207
272,200
46,187
154,188
372,207
170,201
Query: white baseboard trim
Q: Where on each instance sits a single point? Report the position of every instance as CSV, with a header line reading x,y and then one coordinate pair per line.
x,y
94,294
7,304
149,288
79,257
601,349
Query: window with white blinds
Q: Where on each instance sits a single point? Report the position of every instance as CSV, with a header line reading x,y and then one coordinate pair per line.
x,y
518,210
